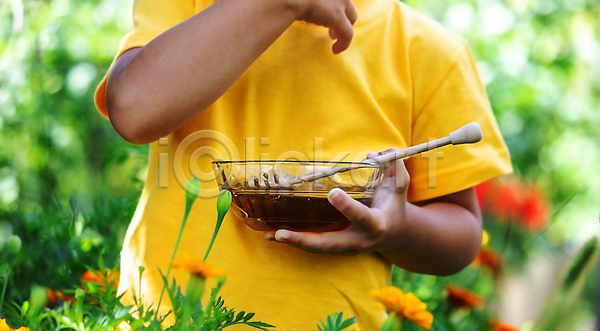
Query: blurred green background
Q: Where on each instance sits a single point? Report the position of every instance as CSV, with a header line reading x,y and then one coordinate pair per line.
x,y
69,183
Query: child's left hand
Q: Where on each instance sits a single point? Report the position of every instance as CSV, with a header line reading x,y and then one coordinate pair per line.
x,y
379,227
440,236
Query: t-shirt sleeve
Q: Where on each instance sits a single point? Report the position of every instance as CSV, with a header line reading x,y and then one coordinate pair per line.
x,y
453,97
150,19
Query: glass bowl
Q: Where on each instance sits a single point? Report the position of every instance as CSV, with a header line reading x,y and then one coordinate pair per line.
x,y
265,198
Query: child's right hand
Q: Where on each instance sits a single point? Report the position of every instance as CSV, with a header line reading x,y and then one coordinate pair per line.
x,y
337,15
155,90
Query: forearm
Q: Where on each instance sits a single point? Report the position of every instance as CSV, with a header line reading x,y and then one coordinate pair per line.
x,y
184,70
439,238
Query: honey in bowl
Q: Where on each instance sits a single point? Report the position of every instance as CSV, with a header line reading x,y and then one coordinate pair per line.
x,y
264,201
296,212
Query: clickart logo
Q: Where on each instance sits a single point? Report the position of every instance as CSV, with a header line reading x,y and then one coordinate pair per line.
x,y
179,161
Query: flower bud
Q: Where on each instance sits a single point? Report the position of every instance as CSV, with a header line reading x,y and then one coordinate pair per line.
x,y
39,296
14,244
79,294
192,189
223,202
5,233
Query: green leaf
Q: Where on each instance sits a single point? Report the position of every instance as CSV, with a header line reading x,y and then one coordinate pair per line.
x,y
101,265
260,325
347,322
583,259
330,323
24,308
336,322
239,316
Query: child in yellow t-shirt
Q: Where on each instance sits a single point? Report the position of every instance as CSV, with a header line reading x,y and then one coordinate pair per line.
x,y
243,79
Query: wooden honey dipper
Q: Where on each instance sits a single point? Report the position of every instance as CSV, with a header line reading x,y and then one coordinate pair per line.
x,y
468,134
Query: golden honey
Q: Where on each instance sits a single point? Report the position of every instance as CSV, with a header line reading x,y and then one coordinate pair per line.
x,y
290,211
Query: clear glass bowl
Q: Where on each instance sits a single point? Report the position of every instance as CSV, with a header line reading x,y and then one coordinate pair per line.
x,y
266,200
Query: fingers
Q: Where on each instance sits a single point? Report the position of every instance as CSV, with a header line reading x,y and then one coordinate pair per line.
x,y
395,174
342,242
351,13
357,239
360,215
343,30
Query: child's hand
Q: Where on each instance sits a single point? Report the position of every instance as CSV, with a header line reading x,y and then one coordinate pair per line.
x,y
373,229
439,236
337,15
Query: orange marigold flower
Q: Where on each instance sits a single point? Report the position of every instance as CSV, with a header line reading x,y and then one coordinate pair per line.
x,y
501,326
459,297
6,327
404,305
490,259
111,276
196,266
55,298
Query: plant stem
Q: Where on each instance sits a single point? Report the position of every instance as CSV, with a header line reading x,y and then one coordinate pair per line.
x,y
214,236
188,208
4,289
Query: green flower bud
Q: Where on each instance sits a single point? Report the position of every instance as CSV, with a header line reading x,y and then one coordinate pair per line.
x,y
14,244
223,202
195,289
5,233
39,296
192,189
79,294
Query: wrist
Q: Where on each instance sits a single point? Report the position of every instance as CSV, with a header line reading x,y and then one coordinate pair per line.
x,y
397,230
292,8
405,234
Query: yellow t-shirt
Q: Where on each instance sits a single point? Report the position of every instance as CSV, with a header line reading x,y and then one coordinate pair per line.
x,y
403,80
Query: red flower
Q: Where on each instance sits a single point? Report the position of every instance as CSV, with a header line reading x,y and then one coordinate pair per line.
x,y
483,192
535,210
508,203
459,297
512,200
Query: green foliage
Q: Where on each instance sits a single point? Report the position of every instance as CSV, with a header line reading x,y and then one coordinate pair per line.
x,y
61,239
96,305
54,143
584,259
98,308
432,291
562,305
537,60
336,322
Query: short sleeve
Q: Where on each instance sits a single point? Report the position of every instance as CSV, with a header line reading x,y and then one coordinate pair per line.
x,y
150,19
454,96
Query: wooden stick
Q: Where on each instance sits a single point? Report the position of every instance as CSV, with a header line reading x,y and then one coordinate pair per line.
x,y
468,134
